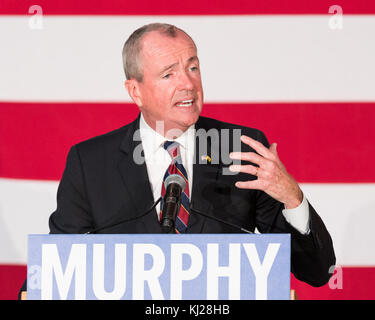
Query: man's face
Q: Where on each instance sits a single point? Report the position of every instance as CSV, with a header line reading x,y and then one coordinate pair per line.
x,y
171,90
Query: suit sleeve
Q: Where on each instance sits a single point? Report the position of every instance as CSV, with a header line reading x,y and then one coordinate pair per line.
x,y
72,214
311,255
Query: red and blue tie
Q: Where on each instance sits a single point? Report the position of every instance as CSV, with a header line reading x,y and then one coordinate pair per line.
x,y
176,167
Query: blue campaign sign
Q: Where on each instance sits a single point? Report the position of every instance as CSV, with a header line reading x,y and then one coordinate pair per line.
x,y
159,266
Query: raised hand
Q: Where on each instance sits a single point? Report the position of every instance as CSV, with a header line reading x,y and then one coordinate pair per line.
x,y
272,175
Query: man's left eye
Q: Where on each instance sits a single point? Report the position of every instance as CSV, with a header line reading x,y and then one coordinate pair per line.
x,y
193,68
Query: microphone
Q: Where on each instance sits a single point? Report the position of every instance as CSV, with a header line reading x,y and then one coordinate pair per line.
x,y
174,185
220,220
125,220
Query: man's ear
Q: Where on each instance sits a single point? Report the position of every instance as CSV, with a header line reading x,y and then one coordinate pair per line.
x,y
132,86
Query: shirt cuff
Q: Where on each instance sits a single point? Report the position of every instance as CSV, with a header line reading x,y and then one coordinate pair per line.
x,y
299,217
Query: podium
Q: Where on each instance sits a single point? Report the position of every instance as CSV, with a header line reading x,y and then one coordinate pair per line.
x,y
159,267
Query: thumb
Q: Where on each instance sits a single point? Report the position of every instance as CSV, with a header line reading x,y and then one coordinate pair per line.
x,y
273,148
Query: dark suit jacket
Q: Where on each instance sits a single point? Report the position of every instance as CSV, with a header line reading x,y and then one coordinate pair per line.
x,y
102,185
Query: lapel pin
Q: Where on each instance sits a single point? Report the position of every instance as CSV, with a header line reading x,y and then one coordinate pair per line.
x,y
206,157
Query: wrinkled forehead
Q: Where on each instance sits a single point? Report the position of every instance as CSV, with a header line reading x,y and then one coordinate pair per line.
x,y
157,47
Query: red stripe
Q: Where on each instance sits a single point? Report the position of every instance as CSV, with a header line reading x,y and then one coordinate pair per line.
x,y
184,215
183,224
172,169
35,137
317,142
176,7
182,175
11,280
357,283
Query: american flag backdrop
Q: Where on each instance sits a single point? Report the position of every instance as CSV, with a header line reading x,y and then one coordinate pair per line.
x,y
301,71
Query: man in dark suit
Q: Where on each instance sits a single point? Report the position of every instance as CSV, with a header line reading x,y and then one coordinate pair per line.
x,y
118,176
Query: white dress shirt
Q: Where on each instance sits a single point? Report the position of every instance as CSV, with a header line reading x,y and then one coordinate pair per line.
x,y
158,159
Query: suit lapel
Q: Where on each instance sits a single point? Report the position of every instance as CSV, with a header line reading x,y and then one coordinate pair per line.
x,y
136,179
205,174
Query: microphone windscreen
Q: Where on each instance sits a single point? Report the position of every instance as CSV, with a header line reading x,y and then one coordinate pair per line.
x,y
175,178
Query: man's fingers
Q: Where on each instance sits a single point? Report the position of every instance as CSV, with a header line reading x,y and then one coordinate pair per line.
x,y
247,156
254,184
245,169
257,146
273,148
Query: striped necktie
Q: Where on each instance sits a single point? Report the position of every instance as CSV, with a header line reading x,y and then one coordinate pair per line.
x,y
176,167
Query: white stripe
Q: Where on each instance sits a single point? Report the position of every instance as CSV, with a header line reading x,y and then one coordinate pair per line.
x,y
348,213
25,206
346,209
243,58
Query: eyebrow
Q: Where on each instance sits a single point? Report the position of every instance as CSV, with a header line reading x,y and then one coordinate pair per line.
x,y
176,63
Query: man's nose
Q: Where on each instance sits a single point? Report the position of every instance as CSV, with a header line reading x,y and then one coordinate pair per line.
x,y
185,82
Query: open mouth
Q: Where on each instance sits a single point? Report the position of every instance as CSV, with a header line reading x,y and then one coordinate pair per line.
x,y
185,103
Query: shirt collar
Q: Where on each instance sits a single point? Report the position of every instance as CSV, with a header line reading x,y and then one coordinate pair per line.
x,y
152,140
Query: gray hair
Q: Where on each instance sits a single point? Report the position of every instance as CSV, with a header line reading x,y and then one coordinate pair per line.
x,y
133,46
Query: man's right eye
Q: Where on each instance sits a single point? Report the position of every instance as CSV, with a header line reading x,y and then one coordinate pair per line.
x,y
167,76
